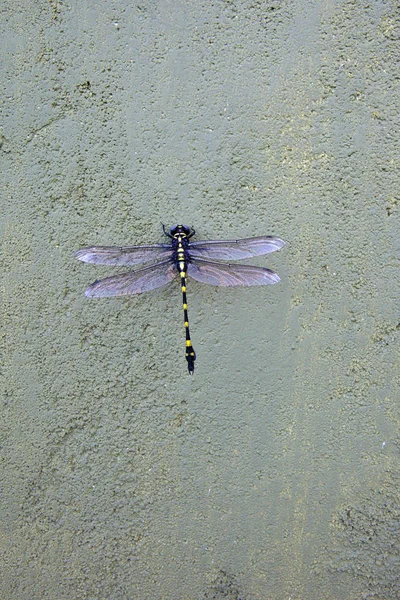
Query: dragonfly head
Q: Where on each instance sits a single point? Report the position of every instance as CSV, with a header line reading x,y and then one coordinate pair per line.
x,y
181,230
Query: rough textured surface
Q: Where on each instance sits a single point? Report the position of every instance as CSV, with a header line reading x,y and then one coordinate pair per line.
x,y
272,473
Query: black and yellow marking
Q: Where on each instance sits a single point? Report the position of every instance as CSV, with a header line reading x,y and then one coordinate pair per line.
x,y
182,268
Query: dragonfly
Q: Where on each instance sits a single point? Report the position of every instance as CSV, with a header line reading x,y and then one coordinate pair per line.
x,y
181,258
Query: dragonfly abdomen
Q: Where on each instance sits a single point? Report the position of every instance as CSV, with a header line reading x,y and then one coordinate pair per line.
x,y
181,262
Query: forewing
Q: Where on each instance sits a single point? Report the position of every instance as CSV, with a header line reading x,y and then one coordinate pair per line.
x,y
235,249
129,255
231,275
133,282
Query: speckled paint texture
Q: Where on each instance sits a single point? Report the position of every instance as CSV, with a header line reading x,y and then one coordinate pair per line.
x,y
273,472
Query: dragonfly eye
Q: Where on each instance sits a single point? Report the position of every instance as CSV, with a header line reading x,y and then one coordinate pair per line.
x,y
186,230
174,230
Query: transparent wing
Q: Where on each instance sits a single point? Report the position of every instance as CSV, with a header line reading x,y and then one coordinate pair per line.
x,y
129,255
235,249
133,282
231,275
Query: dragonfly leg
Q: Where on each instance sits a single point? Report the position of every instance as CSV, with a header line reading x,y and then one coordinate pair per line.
x,y
167,233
